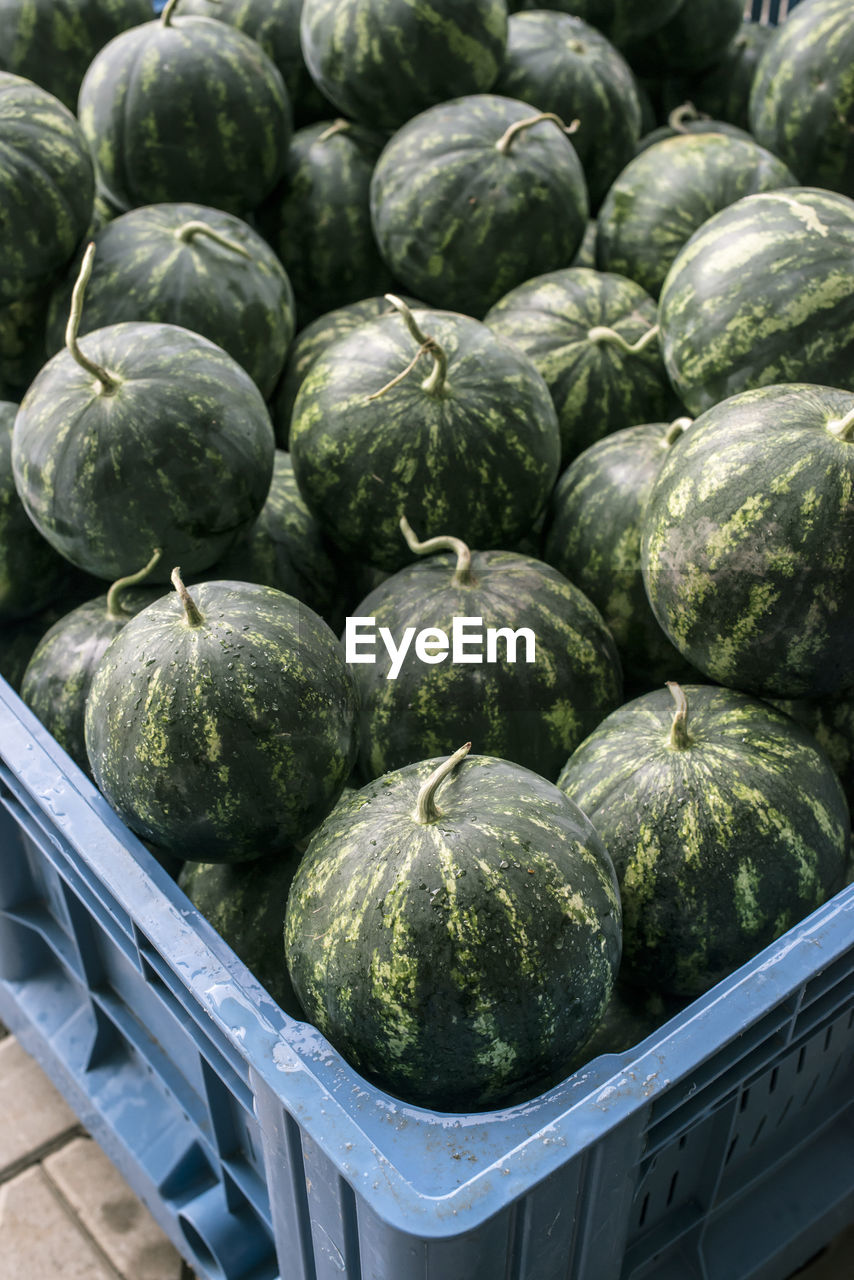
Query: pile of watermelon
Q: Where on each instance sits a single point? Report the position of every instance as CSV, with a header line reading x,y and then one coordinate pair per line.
x,y
428,492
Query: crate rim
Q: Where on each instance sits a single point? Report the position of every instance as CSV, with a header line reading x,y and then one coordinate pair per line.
x,y
314,1084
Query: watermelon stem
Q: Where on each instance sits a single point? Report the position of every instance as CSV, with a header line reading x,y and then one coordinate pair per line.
x,y
601,333
425,806
114,608
504,142
337,126
193,615
677,428
106,381
679,116
186,232
679,736
444,542
434,383
843,427
167,11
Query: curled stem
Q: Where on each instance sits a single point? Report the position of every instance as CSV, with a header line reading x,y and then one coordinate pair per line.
x,y
843,427
114,608
434,383
188,230
677,428
166,12
444,542
337,126
681,115
679,736
192,614
107,382
425,806
519,126
601,333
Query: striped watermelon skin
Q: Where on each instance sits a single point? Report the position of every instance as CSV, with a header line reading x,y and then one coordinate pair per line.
x,y
761,293
245,903
721,845
747,544
465,961
596,385
383,61
802,98
831,722
723,90
532,713
189,443
47,187
686,123
151,264
215,132
480,455
619,20
318,219
693,38
593,537
669,190
58,676
285,547
560,63
459,222
227,740
53,44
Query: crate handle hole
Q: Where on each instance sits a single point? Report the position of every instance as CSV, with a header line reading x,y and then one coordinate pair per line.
x,y
227,1244
201,1253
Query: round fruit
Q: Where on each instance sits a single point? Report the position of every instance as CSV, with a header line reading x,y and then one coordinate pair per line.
x,y
694,38
474,196
747,542
456,951
222,726
726,824
475,441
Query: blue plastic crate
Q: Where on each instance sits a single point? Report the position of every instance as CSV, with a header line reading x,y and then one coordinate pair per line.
x,y
721,1147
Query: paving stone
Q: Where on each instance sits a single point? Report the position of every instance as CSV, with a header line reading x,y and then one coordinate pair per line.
x,y
35,1116
111,1213
40,1238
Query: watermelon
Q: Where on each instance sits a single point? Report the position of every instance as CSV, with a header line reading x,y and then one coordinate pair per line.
x,y
458,948
318,219
56,681
474,196
47,187
222,725
22,342
669,190
427,414
186,108
193,266
726,823
553,675
185,431
593,534
802,98
694,38
245,903
383,61
620,20
593,336
284,548
831,722
561,64
762,292
685,118
52,42
722,91
747,542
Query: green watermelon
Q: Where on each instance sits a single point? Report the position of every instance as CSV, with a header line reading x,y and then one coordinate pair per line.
x,y
245,902
47,187
695,37
193,266
474,196
284,548
553,675
802,98
686,119
56,681
427,414
151,437
222,725
383,61
620,20
275,25
593,336
52,42
726,824
457,949
318,219
669,190
831,722
722,91
186,108
560,63
762,292
23,350
747,542
593,536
